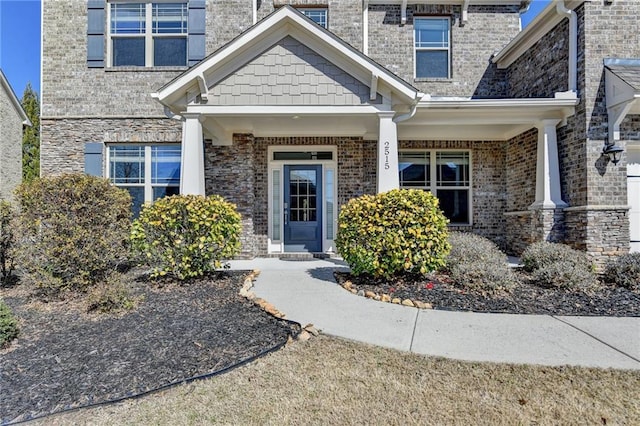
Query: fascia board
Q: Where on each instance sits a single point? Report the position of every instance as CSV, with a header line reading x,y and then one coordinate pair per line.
x,y
541,25
14,99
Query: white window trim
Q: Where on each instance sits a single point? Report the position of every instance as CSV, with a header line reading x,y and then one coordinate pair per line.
x,y
434,176
148,34
148,185
328,245
448,49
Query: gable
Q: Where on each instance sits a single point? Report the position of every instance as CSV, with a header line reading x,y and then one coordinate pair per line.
x,y
290,73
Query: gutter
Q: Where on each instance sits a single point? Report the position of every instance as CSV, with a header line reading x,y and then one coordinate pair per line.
x,y
414,108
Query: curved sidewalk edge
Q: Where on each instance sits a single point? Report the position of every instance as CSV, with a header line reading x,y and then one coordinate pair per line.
x,y
307,293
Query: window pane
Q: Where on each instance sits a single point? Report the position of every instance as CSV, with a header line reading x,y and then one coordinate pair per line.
x,y
137,199
170,18
452,169
126,164
165,165
170,51
165,191
127,18
414,169
432,33
128,51
319,16
275,231
455,204
432,64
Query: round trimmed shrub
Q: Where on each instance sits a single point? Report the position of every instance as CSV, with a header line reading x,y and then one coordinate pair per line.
x,y
558,266
8,324
186,235
74,231
624,271
478,264
564,274
399,231
543,253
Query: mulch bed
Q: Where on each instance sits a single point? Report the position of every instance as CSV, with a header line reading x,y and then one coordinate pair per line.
x,y
66,358
525,298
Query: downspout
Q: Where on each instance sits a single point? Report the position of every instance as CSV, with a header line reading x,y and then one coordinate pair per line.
x,y
365,27
573,44
412,111
255,11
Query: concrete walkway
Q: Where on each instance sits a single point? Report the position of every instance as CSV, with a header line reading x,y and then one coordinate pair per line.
x,y
306,292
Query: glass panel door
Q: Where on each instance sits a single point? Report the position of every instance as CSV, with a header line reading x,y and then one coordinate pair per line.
x,y
303,208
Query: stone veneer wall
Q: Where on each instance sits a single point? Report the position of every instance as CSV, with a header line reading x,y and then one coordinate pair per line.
x,y
10,146
488,188
62,140
472,45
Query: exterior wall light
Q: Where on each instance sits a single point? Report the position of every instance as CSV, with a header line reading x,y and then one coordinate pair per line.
x,y
612,151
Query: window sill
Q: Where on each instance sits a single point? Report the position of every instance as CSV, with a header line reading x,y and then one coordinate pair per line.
x,y
433,80
146,69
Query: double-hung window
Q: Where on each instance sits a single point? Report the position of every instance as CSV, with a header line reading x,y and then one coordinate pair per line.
x,y
432,41
148,172
148,34
317,15
446,174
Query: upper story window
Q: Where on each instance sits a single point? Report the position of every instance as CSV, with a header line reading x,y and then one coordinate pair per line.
x,y
432,47
148,34
317,15
446,174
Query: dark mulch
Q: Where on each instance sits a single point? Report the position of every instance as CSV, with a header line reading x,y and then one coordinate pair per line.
x,y
65,358
525,298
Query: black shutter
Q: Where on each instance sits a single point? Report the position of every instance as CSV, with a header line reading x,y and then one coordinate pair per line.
x,y
197,24
93,158
95,33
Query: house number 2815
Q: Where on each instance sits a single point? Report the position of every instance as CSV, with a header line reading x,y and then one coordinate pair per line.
x,y
386,155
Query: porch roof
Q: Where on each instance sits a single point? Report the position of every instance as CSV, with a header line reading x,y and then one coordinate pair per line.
x,y
622,86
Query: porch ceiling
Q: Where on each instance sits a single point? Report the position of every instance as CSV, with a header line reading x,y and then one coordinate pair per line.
x,y
434,119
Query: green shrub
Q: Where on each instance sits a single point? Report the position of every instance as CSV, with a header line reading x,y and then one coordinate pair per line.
x,y
564,274
74,231
542,254
558,266
393,232
113,296
478,264
186,235
624,271
7,241
8,324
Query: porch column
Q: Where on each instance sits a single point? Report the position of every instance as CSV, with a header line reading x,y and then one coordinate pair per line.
x,y
387,153
192,163
548,194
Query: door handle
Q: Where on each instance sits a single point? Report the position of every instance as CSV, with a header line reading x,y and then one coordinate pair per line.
x,y
286,213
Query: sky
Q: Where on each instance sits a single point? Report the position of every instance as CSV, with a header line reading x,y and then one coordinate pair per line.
x,y
20,40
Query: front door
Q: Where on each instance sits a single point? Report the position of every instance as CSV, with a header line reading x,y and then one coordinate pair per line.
x,y
302,208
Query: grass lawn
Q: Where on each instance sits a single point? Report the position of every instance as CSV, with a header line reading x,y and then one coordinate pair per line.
x,y
332,381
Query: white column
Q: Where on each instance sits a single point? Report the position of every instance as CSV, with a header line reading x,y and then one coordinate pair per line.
x,y
548,193
387,153
192,165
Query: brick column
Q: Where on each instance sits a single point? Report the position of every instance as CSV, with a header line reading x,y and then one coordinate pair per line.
x,y
192,163
388,178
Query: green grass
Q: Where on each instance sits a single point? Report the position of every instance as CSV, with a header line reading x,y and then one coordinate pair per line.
x,y
332,381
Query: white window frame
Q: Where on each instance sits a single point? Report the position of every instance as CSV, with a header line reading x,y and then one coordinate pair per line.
x,y
148,185
306,10
148,35
440,49
433,186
